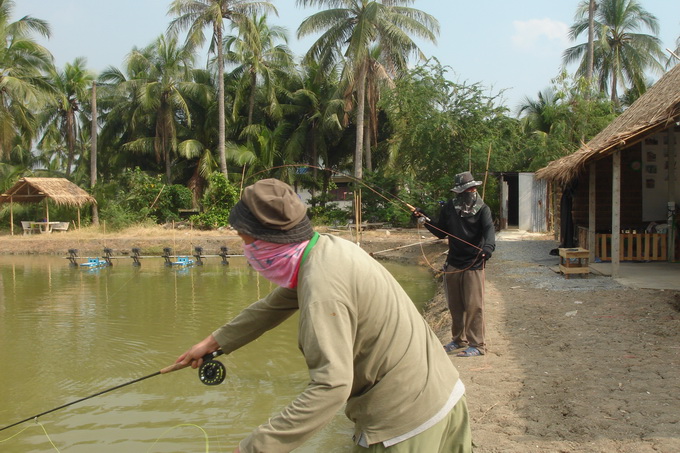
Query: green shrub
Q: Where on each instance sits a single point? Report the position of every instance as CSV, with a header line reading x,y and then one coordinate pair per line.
x,y
218,200
138,198
329,214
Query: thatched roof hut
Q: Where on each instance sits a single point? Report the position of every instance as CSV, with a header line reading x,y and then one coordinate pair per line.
x,y
630,175
59,190
655,111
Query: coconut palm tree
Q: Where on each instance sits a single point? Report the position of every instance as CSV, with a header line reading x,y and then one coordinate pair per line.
x,y
350,28
257,55
539,116
315,113
164,84
61,119
196,15
621,54
675,58
22,86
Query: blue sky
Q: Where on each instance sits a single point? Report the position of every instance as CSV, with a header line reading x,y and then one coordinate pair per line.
x,y
510,45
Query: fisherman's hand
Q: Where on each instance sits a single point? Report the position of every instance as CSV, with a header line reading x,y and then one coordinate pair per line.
x,y
486,254
194,356
419,215
237,450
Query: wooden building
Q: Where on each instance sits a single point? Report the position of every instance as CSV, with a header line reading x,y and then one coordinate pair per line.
x,y
625,182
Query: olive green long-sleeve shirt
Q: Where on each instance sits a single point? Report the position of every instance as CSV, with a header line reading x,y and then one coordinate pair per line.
x,y
364,342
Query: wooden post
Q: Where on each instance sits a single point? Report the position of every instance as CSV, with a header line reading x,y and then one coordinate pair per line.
x,y
486,172
671,192
11,216
592,211
357,214
93,153
616,213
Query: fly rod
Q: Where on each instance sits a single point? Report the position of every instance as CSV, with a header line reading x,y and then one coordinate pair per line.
x,y
211,372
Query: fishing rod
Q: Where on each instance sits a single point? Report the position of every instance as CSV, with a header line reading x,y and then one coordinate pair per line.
x,y
376,190
211,372
422,218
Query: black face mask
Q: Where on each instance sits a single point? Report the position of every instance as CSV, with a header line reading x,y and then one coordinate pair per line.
x,y
466,203
467,200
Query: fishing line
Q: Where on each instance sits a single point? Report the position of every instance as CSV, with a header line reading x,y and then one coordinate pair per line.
x,y
442,270
205,435
44,430
210,373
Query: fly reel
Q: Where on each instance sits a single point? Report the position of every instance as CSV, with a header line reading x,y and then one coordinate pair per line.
x,y
212,372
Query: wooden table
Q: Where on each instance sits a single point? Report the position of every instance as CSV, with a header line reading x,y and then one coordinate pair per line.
x,y
574,261
44,227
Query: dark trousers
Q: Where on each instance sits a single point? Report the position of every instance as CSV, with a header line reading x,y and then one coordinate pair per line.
x,y
465,296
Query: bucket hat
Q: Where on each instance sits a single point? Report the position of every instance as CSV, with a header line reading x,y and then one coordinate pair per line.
x,y
463,181
271,211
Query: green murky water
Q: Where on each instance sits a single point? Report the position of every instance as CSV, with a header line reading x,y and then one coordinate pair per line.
x,y
67,333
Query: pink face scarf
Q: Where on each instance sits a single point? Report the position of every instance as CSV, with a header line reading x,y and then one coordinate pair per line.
x,y
278,263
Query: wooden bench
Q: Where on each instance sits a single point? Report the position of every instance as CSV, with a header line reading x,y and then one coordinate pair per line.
x,y
574,261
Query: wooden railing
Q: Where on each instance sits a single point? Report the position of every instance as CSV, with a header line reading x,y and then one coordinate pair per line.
x,y
632,246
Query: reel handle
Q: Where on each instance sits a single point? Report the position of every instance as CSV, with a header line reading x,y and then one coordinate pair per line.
x,y
212,355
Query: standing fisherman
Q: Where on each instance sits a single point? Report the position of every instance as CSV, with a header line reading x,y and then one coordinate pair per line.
x,y
364,341
466,220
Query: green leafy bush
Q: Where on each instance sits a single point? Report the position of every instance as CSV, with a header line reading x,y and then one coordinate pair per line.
x,y
218,200
328,214
138,198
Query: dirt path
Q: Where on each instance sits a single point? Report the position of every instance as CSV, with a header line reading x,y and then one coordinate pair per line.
x,y
576,370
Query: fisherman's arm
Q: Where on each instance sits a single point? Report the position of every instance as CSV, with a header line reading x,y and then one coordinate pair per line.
x,y
488,233
253,321
256,319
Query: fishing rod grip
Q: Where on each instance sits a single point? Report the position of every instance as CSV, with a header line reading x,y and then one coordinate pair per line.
x,y
415,210
179,366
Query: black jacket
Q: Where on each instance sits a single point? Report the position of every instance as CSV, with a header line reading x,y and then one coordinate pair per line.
x,y
469,237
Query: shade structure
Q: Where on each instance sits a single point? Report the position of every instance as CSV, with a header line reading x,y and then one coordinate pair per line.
x,y
60,191
654,111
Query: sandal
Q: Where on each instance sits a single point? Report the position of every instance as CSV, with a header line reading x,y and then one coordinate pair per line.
x,y
451,347
470,352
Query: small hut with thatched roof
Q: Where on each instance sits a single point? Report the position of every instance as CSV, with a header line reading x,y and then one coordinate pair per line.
x,y
61,191
625,180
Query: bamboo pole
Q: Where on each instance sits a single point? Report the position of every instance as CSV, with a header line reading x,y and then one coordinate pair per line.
x,y
11,216
486,173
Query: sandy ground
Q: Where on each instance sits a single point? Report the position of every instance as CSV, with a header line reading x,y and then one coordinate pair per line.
x,y
578,366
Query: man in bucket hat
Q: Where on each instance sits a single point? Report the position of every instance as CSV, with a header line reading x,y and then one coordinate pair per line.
x,y
366,346
467,222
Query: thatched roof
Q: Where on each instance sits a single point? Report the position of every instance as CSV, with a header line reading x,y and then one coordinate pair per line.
x,y
652,112
59,190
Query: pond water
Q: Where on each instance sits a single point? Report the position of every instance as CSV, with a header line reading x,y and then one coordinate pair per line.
x,y
67,333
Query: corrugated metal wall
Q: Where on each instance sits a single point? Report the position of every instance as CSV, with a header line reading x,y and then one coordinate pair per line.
x,y
533,203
